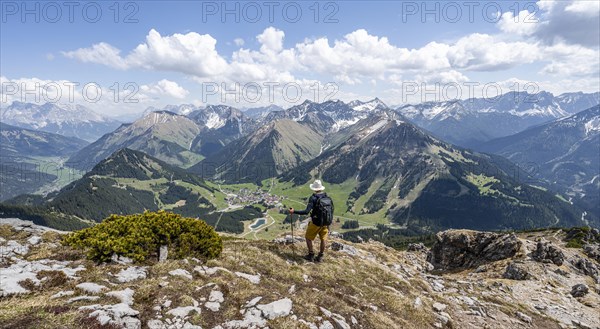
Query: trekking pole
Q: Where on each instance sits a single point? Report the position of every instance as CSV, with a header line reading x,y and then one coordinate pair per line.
x,y
293,239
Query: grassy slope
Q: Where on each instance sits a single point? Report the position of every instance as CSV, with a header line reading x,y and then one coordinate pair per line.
x,y
333,279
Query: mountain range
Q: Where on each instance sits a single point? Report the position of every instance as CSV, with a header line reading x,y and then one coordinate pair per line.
x,y
474,121
180,140
388,166
380,162
565,152
63,119
286,139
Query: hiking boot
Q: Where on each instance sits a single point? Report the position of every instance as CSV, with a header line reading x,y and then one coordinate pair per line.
x,y
319,258
310,257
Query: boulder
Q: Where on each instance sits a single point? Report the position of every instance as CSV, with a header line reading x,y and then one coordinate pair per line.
x,y
416,247
592,251
579,290
516,271
350,250
587,267
276,309
548,253
461,249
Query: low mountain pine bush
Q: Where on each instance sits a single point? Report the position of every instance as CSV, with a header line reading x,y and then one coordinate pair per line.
x,y
140,236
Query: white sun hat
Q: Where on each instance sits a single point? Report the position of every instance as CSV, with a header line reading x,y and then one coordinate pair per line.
x,y
317,186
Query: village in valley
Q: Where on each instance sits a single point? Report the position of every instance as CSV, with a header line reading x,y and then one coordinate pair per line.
x,y
246,196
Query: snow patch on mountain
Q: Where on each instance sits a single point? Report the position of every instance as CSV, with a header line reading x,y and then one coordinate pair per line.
x,y
592,126
341,124
432,112
553,111
380,124
214,121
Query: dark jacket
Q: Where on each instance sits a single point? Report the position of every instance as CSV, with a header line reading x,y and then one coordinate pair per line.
x,y
310,206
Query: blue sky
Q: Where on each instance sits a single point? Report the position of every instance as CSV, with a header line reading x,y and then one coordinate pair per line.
x,y
368,49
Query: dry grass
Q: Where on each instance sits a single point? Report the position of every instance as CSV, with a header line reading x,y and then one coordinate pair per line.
x,y
9,233
367,289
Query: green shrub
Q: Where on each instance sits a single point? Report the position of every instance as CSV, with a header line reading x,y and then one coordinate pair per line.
x,y
575,243
140,236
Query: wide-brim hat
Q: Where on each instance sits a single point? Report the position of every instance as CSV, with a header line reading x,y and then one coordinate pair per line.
x,y
317,186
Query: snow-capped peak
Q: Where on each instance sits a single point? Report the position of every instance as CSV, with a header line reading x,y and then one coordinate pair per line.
x,y
369,106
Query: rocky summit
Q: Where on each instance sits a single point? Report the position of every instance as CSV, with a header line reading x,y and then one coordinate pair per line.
x,y
467,279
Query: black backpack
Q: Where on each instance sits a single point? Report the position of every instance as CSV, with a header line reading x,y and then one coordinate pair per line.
x,y
324,211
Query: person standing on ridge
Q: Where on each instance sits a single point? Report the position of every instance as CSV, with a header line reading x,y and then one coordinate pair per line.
x,y
320,207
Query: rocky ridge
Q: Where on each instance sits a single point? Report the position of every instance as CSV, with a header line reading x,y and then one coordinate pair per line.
x,y
260,284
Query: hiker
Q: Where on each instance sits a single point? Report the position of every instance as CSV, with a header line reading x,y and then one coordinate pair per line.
x,y
320,208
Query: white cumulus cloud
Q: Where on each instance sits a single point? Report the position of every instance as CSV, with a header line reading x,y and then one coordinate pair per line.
x,y
165,87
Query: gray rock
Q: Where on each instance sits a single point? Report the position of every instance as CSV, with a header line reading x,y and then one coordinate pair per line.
x,y
418,303
276,309
592,251
350,250
579,290
183,311
253,302
516,271
326,325
548,253
581,325
288,240
253,278
439,307
34,240
121,259
340,323
460,249
586,266
480,269
125,296
524,317
156,324
163,253
182,273
131,274
416,247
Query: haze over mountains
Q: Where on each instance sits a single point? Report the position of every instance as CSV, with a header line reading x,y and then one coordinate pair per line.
x,y
397,164
474,121
63,119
